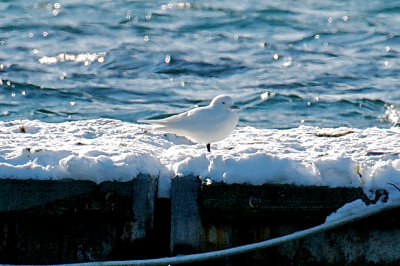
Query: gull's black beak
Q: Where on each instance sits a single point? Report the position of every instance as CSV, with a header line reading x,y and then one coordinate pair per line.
x,y
235,107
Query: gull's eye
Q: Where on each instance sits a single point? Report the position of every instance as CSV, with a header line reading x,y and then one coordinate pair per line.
x,y
223,102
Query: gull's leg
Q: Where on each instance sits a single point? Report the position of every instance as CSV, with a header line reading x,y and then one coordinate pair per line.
x,y
208,147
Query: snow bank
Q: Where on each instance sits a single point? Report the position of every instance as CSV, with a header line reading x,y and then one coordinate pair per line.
x,y
106,149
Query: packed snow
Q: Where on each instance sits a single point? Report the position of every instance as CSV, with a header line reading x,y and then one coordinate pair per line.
x,y
106,149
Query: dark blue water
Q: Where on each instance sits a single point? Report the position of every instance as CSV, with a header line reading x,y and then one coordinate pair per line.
x,y
322,63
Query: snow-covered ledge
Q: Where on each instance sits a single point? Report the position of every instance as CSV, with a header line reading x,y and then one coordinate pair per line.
x,y
103,149
92,153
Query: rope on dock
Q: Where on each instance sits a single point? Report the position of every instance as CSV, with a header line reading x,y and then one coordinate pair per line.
x,y
372,210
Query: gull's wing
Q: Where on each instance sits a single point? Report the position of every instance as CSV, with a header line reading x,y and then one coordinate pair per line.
x,y
180,118
192,119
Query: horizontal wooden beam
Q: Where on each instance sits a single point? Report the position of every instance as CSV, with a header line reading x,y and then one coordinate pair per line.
x,y
277,202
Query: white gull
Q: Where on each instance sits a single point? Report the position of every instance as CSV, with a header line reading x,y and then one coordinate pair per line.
x,y
205,125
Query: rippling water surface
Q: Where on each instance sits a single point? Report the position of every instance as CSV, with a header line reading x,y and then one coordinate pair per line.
x,y
324,63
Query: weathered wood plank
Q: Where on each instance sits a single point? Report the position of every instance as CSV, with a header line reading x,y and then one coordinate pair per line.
x,y
143,197
277,202
60,221
66,197
17,195
186,228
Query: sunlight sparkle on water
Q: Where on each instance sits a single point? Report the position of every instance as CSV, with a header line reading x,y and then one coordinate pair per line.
x,y
264,96
392,115
56,10
167,59
288,62
85,58
179,5
148,16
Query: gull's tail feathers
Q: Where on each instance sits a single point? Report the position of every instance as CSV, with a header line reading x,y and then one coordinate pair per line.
x,y
156,124
146,121
153,122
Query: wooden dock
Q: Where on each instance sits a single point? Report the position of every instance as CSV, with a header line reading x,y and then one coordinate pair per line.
x,y
64,221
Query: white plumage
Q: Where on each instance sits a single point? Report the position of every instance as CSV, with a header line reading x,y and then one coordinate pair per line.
x,y
205,125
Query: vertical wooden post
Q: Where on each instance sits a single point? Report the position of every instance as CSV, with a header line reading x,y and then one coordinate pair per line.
x,y
186,228
143,195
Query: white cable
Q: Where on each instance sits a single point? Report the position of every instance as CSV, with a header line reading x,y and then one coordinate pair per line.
x,y
372,210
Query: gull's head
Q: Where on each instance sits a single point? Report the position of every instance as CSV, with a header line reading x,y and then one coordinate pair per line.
x,y
223,101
